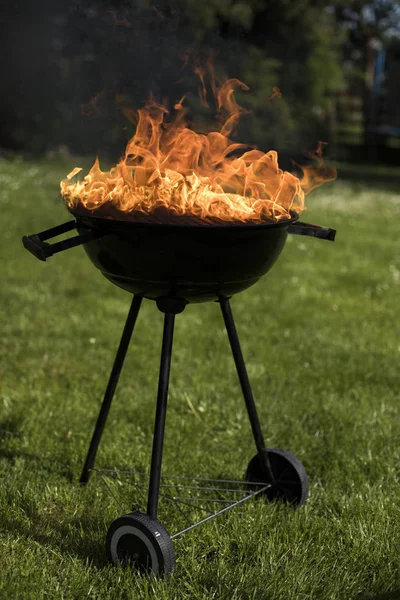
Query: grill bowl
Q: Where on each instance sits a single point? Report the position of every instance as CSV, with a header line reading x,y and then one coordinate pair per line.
x,y
196,262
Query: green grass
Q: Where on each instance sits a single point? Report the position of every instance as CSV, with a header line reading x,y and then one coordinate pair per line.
x,y
321,337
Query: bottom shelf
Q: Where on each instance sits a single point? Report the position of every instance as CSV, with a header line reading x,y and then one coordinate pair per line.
x,y
196,499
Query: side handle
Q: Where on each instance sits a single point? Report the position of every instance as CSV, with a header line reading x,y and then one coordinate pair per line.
x,y
323,233
37,245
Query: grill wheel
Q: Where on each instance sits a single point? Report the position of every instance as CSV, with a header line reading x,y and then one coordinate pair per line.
x,y
291,480
142,541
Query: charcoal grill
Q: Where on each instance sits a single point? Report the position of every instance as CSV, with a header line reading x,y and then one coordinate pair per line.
x,y
174,265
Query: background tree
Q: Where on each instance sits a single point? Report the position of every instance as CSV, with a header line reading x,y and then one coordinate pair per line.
x,y
67,62
367,27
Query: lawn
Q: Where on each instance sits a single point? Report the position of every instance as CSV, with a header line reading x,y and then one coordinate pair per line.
x,y
321,337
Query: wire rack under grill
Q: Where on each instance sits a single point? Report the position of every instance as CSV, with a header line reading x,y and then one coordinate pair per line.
x,y
195,499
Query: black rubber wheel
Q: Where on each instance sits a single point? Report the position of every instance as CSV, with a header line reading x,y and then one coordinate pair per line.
x,y
291,481
138,539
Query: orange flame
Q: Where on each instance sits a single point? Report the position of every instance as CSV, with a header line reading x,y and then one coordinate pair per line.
x,y
91,107
276,93
171,172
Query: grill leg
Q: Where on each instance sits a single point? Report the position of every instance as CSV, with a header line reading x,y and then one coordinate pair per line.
x,y
161,411
112,384
245,385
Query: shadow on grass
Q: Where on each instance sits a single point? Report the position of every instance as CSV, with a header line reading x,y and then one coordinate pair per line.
x,y
76,537
64,538
42,465
11,430
10,427
395,595
81,537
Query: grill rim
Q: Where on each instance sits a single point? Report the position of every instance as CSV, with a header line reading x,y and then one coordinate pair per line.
x,y
120,223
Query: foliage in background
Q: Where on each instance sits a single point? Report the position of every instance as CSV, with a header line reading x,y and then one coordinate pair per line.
x,y
61,55
368,27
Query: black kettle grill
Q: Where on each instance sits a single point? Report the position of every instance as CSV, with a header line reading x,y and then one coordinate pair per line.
x,y
178,264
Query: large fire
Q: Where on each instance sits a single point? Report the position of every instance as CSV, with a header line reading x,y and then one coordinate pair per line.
x,y
171,173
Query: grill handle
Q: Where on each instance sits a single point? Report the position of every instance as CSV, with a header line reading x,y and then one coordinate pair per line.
x,y
37,245
324,233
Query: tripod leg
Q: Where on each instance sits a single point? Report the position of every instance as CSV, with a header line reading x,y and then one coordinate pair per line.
x,y
245,385
112,384
161,411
